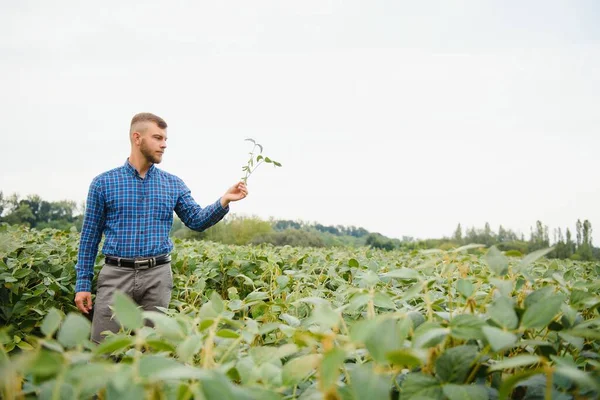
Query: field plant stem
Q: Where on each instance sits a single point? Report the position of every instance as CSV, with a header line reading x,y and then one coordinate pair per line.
x,y
450,283
371,305
488,300
549,371
136,356
207,350
427,300
485,350
250,170
59,381
230,349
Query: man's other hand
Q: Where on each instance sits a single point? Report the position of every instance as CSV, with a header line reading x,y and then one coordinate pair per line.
x,y
83,301
234,193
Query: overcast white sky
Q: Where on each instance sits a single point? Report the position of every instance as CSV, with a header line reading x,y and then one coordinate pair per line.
x,y
403,117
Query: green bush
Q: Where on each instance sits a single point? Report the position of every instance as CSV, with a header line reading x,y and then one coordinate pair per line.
x,y
513,253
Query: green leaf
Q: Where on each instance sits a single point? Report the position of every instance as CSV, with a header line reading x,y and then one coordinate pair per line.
x,y
46,364
290,320
366,384
52,345
133,391
509,382
127,312
540,314
256,296
466,327
154,367
22,273
90,378
166,326
74,331
56,389
286,350
503,313
330,367
497,338
387,336
420,386
362,330
353,263
295,370
217,302
534,256
465,287
382,300
113,343
467,247
228,334
455,363
24,346
582,378
430,337
515,362
538,295
496,261
465,392
505,287
402,273
189,348
160,345
51,322
216,386
413,291
262,354
407,358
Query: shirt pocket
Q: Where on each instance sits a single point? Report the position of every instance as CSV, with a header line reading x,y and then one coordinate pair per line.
x,y
162,207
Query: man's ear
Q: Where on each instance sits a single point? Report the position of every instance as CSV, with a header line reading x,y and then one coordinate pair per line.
x,y
136,137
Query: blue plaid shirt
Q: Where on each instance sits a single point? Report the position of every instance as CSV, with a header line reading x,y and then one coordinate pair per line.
x,y
136,216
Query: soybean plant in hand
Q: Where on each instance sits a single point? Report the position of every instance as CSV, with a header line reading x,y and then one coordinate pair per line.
x,y
253,162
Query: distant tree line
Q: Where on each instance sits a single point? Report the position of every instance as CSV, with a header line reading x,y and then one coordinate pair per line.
x,y
34,212
37,213
252,230
565,245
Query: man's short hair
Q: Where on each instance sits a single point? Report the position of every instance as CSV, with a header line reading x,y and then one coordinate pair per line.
x,y
146,117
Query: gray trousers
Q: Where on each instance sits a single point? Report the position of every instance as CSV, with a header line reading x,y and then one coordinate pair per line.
x,y
148,287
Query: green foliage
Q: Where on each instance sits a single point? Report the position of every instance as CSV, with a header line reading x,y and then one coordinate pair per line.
x,y
37,213
232,230
379,241
262,322
291,237
256,160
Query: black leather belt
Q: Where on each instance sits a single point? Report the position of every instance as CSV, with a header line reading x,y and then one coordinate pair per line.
x,y
138,262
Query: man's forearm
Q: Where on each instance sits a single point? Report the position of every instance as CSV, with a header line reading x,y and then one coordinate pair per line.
x,y
224,202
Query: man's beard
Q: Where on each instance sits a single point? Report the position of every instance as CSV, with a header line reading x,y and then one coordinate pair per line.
x,y
150,156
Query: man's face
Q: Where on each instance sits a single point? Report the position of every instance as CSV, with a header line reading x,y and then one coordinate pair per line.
x,y
153,143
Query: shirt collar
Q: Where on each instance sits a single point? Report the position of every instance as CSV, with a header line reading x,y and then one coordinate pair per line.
x,y
131,169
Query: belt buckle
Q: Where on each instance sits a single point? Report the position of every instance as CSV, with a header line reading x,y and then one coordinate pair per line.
x,y
142,263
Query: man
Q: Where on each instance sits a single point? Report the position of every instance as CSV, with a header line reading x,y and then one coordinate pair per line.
x,y
133,206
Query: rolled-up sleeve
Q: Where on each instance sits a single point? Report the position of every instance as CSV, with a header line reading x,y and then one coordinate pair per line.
x,y
194,216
